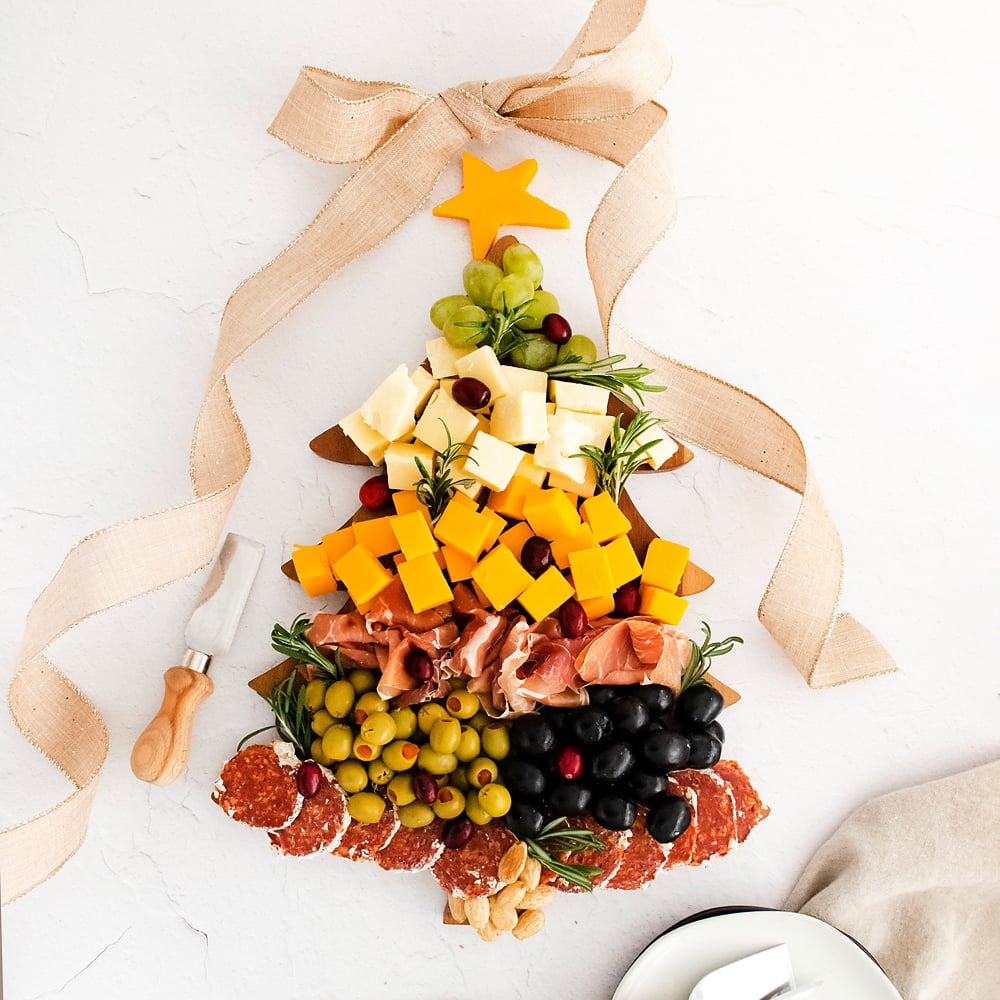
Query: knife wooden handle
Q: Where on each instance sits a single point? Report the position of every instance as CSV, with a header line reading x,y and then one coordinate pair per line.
x,y
160,753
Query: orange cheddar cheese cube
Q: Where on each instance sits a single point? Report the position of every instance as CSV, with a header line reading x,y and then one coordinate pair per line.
x,y
660,604
501,577
664,565
457,564
605,519
338,543
515,537
313,570
424,583
413,535
406,502
377,536
510,502
549,591
624,562
466,499
497,526
363,575
598,607
562,547
591,571
551,514
480,594
463,528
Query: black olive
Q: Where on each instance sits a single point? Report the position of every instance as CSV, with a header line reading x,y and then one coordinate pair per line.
x,y
531,735
588,725
522,778
568,798
524,820
614,812
668,818
611,763
644,785
715,728
658,698
666,749
705,749
630,715
602,694
699,705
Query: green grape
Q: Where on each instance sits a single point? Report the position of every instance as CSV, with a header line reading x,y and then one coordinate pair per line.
x,y
580,346
512,291
537,352
480,277
538,308
464,326
521,259
443,308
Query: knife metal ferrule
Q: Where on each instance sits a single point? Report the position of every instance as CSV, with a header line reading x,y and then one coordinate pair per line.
x,y
194,660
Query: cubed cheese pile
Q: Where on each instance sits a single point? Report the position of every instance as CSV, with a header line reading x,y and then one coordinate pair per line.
x,y
590,546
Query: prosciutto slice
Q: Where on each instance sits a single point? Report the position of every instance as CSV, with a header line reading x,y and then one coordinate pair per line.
x,y
635,651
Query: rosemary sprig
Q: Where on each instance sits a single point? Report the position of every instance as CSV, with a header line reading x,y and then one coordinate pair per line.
x,y
623,453
293,642
291,718
624,382
558,837
436,487
701,657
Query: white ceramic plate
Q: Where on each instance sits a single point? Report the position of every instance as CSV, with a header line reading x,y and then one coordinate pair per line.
x,y
671,966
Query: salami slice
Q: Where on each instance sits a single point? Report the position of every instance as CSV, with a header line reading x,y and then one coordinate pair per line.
x,y
608,858
412,849
749,808
681,850
643,859
257,786
473,869
320,824
363,841
714,820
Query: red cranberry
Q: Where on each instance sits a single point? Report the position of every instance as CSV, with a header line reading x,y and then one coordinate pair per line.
x,y
375,493
308,779
569,763
456,832
419,665
627,600
536,555
573,619
471,393
556,328
425,788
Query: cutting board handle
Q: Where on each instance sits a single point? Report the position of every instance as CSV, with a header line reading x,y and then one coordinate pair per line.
x,y
161,752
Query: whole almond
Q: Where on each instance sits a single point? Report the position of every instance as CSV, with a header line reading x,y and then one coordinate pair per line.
x,y
540,896
512,863
532,873
489,931
528,923
504,918
477,911
511,895
457,907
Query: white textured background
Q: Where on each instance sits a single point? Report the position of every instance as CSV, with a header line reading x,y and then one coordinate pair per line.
x,y
836,254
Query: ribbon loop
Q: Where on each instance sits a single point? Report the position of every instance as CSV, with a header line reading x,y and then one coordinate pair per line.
x,y
468,103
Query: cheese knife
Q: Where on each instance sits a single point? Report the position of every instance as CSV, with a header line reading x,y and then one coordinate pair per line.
x,y
161,752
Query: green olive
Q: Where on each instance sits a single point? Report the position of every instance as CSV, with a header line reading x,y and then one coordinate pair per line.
x,y
378,728
352,776
400,790
315,693
362,680
366,807
416,814
450,802
494,799
468,746
445,735
339,699
481,772
462,704
363,750
429,713
316,751
379,773
495,740
400,755
321,721
460,779
476,812
338,742
406,722
368,704
436,763
480,721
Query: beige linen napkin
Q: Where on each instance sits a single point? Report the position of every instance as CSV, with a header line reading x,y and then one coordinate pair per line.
x,y
915,877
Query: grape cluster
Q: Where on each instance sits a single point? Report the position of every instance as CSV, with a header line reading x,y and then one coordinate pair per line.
x,y
612,756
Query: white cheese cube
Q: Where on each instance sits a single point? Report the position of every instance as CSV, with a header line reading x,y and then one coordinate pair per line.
x,y
366,438
471,488
426,383
524,380
520,418
530,471
443,356
443,412
492,461
600,425
550,407
658,453
566,436
401,467
390,408
587,488
579,397
483,365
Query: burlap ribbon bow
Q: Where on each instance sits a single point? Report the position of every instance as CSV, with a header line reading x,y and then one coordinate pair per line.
x,y
404,140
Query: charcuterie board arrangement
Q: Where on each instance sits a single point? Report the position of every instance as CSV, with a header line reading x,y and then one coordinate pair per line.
x,y
507,698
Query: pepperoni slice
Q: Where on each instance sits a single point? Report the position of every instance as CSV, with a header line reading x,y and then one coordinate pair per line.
x,y
643,859
749,808
363,841
473,869
257,788
412,849
608,859
320,824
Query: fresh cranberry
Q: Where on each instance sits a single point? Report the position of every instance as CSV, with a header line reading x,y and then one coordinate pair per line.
x,y
569,763
309,779
375,493
627,600
573,619
419,665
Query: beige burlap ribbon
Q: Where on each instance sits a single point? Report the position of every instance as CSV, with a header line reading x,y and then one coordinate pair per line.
x,y
404,139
